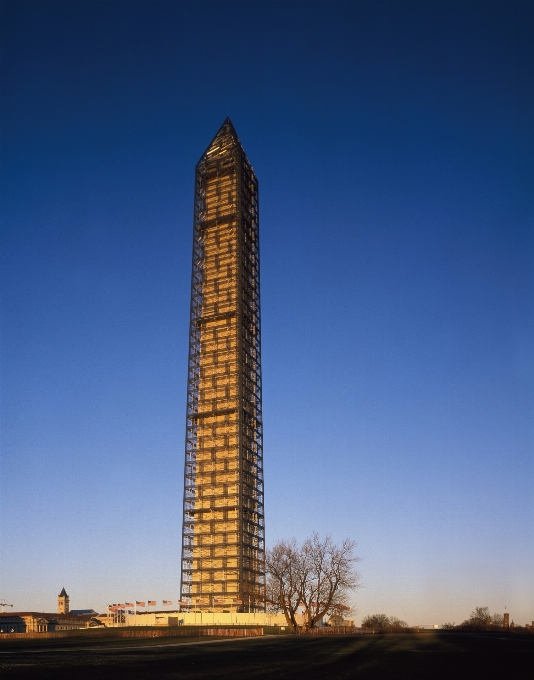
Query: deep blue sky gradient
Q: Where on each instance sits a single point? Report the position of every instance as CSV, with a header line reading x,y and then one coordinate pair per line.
x,y
394,144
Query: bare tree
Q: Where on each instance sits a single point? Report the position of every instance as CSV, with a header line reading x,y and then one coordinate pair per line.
x,y
282,563
397,624
497,620
376,622
317,576
480,618
383,623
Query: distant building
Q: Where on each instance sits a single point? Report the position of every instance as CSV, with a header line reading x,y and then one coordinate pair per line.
x,y
337,621
83,612
63,602
42,622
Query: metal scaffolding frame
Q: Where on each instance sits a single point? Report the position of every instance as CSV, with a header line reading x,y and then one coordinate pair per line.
x,y
223,540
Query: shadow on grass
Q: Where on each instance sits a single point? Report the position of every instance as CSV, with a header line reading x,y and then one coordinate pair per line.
x,y
396,656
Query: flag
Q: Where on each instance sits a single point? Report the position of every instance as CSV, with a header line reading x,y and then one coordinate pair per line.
x,y
139,604
183,603
130,611
152,603
237,601
218,600
128,604
200,600
167,602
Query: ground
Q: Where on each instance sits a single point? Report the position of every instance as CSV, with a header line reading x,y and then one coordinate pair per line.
x,y
365,657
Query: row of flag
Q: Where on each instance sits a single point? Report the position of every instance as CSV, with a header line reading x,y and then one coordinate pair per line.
x,y
197,600
142,603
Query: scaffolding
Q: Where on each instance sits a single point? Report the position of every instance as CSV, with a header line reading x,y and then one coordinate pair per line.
x,y
223,541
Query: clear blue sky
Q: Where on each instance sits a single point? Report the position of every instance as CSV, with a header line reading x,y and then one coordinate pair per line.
x,y
394,144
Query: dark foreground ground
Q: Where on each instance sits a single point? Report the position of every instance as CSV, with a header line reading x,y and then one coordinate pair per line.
x,y
414,657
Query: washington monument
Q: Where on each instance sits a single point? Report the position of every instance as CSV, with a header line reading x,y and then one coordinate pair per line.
x,y
223,541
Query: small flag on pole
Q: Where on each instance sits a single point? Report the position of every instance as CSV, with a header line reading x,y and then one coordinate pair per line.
x,y
167,602
152,603
139,604
128,604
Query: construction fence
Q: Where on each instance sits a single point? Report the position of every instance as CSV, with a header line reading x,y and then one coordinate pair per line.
x,y
139,633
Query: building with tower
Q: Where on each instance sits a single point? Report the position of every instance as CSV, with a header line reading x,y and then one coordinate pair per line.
x,y
223,550
63,602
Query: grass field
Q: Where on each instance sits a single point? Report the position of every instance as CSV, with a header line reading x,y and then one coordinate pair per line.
x,y
414,657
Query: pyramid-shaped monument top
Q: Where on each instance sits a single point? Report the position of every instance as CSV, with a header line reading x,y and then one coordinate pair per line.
x,y
225,140
63,593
